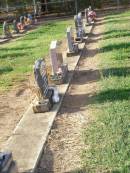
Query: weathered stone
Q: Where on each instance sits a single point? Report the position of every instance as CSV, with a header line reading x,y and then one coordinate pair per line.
x,y
42,106
72,46
59,69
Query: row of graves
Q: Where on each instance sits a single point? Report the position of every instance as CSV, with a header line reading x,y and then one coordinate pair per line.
x,y
17,26
48,95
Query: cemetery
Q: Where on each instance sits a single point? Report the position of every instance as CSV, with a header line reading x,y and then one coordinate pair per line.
x,y
64,87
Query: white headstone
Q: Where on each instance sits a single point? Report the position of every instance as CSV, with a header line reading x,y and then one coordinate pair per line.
x,y
70,39
86,15
53,56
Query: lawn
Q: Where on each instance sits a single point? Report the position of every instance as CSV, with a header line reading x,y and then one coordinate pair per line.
x,y
1,29
17,57
107,138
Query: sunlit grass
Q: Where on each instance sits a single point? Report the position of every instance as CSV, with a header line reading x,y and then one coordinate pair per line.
x,y
17,57
107,139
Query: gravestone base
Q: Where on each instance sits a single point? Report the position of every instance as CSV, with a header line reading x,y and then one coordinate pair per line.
x,y
42,106
78,40
74,52
59,79
13,168
7,165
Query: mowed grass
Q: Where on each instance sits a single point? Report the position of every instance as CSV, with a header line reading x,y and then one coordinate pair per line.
x,y
17,57
107,138
1,29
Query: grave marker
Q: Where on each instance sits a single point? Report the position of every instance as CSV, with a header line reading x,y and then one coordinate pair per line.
x,y
7,165
6,30
79,27
72,46
45,93
59,69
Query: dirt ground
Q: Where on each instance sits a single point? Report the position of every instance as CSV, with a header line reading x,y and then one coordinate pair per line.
x,y
64,146
12,106
14,103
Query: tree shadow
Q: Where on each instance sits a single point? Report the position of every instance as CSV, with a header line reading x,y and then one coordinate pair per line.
x,y
114,46
112,95
86,76
116,34
77,171
5,69
122,71
16,48
12,55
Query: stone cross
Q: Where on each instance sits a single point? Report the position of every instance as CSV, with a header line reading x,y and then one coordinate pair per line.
x,y
70,39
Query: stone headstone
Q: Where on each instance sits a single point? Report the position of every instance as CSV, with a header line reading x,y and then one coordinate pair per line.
x,y
7,165
86,15
56,57
6,30
15,27
59,69
79,27
70,39
72,46
44,94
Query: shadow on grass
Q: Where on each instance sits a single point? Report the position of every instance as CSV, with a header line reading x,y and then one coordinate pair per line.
x,y
116,34
5,69
112,95
17,48
76,171
86,76
111,47
114,21
12,55
123,71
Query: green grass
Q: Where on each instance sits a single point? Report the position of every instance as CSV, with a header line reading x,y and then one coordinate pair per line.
x,y
17,58
1,29
107,138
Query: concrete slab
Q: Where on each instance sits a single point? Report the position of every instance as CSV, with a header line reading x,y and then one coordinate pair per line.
x,y
28,139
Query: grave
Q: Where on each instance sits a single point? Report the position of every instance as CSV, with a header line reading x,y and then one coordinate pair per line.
x,y
72,46
79,27
7,165
45,94
91,15
6,30
15,27
86,16
59,69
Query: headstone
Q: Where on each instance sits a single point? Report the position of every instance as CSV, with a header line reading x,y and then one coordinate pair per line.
x,y
86,15
91,15
54,58
72,46
44,92
59,69
7,165
79,27
15,27
6,30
